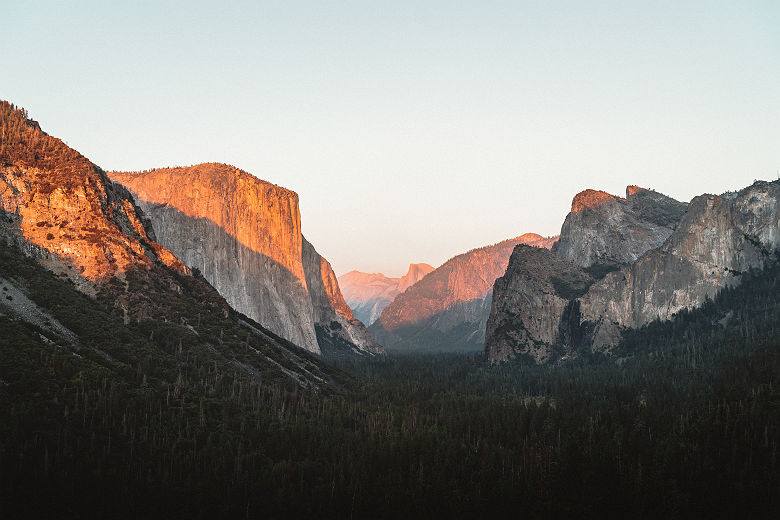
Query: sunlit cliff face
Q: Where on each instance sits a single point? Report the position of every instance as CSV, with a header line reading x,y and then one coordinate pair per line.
x,y
331,284
261,216
590,199
244,236
65,209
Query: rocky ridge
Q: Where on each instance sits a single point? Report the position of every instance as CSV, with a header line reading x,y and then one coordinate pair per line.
x,y
608,230
705,248
714,244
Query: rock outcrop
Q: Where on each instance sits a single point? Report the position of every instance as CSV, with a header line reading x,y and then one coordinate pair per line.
x,y
707,248
717,240
58,207
603,229
369,293
244,236
531,306
414,274
447,310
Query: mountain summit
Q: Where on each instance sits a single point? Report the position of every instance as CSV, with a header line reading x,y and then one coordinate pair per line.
x,y
603,229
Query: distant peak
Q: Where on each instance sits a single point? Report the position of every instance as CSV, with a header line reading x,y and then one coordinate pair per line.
x,y
633,190
419,267
590,199
415,273
530,236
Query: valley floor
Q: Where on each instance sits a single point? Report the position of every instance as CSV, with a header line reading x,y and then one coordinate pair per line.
x,y
683,421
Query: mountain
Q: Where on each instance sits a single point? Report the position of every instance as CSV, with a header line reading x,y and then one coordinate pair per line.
x,y
718,240
630,261
447,309
369,293
530,302
414,274
608,230
82,274
244,236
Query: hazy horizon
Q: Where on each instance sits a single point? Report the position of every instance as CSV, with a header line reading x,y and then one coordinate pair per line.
x,y
412,132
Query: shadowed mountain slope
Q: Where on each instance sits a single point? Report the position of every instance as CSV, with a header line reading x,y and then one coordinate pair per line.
x,y
447,309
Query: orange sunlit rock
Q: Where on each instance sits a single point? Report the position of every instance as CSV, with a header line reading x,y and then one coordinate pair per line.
x,y
65,209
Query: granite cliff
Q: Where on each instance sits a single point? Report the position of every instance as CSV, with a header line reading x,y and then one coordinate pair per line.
x,y
603,229
336,327
447,309
718,239
244,236
369,293
529,304
631,261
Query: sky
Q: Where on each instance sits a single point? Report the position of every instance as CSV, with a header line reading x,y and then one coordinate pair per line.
x,y
412,131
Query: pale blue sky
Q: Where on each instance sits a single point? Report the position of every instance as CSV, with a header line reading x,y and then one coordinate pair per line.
x,y
412,131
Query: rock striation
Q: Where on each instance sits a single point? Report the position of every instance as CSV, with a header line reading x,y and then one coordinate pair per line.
x,y
707,247
244,236
447,310
369,293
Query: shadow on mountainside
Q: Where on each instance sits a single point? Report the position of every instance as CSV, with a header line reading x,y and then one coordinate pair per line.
x,y
251,282
459,328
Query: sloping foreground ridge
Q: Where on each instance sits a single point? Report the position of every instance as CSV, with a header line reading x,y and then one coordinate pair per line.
x,y
63,213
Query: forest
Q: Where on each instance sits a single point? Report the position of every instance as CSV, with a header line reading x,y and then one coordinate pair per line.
x,y
681,420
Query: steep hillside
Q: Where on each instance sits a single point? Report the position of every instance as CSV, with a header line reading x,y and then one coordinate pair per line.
x,y
244,236
447,310
369,293
62,219
60,208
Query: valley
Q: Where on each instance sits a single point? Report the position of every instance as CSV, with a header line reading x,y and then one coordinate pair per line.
x,y
171,345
